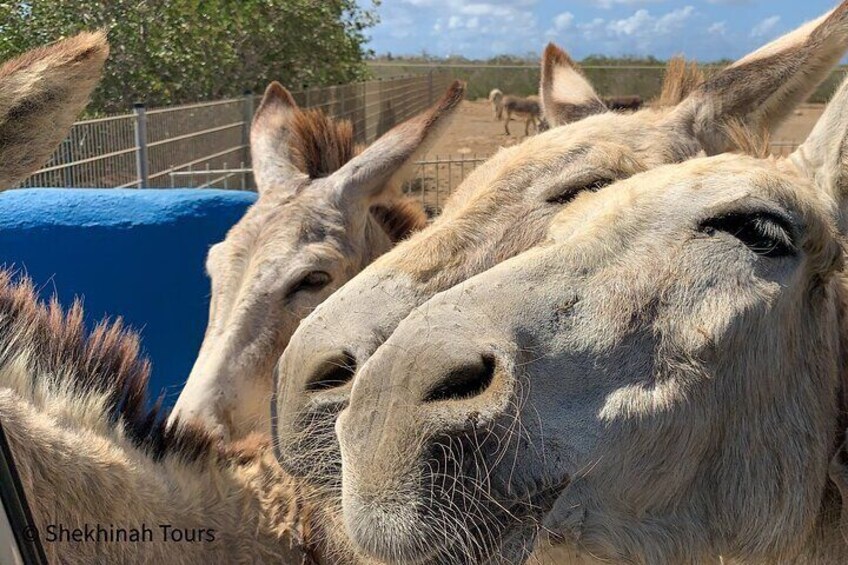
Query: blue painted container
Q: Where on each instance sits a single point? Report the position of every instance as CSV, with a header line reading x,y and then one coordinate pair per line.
x,y
138,254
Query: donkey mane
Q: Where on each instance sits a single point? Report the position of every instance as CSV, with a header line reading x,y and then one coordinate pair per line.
x,y
104,368
321,145
681,79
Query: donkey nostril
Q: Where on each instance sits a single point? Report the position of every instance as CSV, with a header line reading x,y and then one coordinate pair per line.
x,y
465,382
333,373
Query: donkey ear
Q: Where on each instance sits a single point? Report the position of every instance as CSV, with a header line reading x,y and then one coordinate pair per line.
x,y
823,157
41,94
566,94
367,174
761,89
270,137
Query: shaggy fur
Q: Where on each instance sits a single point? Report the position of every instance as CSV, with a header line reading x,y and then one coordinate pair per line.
x,y
504,208
326,210
319,144
91,450
680,80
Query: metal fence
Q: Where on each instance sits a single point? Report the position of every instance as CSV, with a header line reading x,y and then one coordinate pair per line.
x,y
153,147
433,179
608,80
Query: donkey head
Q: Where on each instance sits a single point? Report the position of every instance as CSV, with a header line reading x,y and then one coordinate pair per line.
x,y
323,214
670,364
506,205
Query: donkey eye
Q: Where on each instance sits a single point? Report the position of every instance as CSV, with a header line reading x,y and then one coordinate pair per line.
x,y
313,281
763,233
569,194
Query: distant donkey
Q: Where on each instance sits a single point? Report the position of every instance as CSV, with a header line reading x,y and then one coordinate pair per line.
x,y
527,108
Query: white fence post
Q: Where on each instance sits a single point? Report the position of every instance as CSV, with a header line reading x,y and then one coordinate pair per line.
x,y
141,164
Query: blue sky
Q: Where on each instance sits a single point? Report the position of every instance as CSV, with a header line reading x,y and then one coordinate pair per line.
x,y
704,30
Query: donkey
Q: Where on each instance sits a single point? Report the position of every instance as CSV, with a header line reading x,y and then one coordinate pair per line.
x,y
664,380
505,207
527,108
324,213
89,449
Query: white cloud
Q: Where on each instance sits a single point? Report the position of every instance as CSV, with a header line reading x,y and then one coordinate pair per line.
x,y
636,23
483,28
765,27
607,4
562,22
717,28
674,20
643,24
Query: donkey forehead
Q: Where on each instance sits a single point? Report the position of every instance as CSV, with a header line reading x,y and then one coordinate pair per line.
x,y
277,226
700,189
605,141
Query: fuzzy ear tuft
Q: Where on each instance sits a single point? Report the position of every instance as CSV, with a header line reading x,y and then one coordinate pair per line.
x,y
41,94
566,94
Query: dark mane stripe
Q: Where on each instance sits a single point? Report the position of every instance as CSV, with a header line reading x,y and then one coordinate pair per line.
x,y
321,145
105,362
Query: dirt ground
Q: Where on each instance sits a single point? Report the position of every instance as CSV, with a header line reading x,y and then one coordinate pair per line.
x,y
475,131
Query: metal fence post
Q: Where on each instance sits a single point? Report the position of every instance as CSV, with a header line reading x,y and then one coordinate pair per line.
x,y
430,88
248,119
141,145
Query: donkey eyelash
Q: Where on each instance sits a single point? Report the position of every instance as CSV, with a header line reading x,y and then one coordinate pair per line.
x,y
313,281
765,233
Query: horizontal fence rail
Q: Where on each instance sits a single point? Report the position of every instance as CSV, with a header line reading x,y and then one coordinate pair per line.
x,y
151,147
433,178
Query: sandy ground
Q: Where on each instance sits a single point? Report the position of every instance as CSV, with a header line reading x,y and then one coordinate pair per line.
x,y
475,131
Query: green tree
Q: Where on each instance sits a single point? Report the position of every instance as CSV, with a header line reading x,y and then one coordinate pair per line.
x,y
176,51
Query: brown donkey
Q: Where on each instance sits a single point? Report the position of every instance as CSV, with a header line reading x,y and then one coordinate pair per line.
x,y
505,207
664,380
325,211
527,108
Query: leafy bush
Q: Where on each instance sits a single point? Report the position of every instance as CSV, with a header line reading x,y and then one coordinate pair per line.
x,y
176,51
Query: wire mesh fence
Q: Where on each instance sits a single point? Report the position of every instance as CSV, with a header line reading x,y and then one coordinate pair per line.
x,y
150,147
433,178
